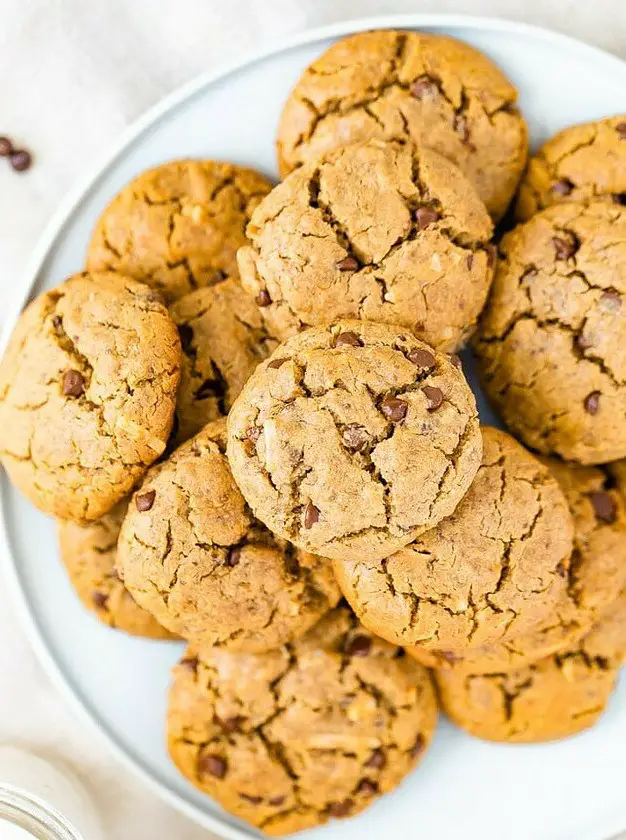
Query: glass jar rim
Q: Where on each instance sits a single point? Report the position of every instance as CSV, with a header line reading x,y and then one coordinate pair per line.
x,y
34,815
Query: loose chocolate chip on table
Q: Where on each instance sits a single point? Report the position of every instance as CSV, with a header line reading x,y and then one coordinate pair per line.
x,y
562,187
358,646
418,746
355,437
592,402
425,216
424,87
604,507
20,160
99,599
186,336
233,556
340,809
564,247
347,264
434,397
276,801
190,663
214,765
311,515
348,339
144,501
276,363
367,788
611,301
6,147
376,760
394,409
73,384
263,298
253,800
421,358
621,130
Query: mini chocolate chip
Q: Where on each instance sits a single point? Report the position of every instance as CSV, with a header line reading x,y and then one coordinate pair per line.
x,y
394,409
253,433
340,809
99,599
456,361
233,556
562,568
592,402
434,397
6,147
424,87
621,130
144,501
276,801
263,298
347,264
348,339
253,800
213,764
276,363
190,663
611,301
355,437
564,247
562,187
492,253
422,358
418,746
20,160
232,724
185,333
376,760
425,216
57,322
311,515
469,261
73,384
604,507
619,198
358,646
367,787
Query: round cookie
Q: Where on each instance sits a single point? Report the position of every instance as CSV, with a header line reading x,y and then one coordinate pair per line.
x,y
191,553
87,393
288,739
377,231
89,553
553,698
552,340
352,439
581,163
177,227
489,572
223,340
413,86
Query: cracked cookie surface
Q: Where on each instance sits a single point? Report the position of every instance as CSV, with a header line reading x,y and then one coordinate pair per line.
x,y
378,231
89,554
490,571
191,553
87,393
178,227
223,340
352,439
552,340
584,162
550,699
288,739
410,86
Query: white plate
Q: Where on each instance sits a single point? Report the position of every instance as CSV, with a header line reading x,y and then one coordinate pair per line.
x,y
573,790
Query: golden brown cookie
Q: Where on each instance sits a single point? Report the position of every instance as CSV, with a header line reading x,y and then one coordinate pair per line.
x,y
191,553
490,572
223,340
288,739
177,227
89,553
584,163
87,392
552,341
403,86
352,439
550,699
376,231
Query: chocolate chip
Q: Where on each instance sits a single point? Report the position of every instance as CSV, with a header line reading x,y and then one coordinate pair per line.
x,y
190,663
492,253
340,809
469,261
434,397
419,327
422,358
562,187
185,333
355,437
276,363
418,746
425,216
611,301
311,515
144,501
263,298
376,760
564,246
621,130
20,160
253,800
358,646
233,556
394,409
604,507
232,724
456,361
592,402
562,568
212,764
276,801
619,198
348,339
347,264
462,128
73,384
367,787
424,87
6,147
99,599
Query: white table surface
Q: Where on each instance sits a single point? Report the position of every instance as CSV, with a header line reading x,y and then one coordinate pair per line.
x,y
74,73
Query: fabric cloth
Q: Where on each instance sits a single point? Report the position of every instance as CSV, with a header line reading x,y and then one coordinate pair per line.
x,y
74,74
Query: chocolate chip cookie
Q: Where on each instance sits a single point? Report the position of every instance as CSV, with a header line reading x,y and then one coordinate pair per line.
x,y
191,553
178,227
87,393
491,571
582,163
378,231
288,739
552,341
353,439
410,86
223,340
89,553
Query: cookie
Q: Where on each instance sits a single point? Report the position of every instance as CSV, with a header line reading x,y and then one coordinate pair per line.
x,y
491,571
223,340
191,553
89,553
178,227
584,163
352,439
410,86
288,739
551,342
87,393
553,698
378,231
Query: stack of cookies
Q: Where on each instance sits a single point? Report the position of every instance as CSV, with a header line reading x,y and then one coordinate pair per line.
x,y
249,407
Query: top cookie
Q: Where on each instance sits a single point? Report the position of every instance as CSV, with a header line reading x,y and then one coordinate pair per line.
x,y
410,86
87,393
552,340
379,231
352,439
178,227
582,163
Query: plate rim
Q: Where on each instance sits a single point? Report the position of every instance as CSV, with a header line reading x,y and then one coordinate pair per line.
x,y
217,823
